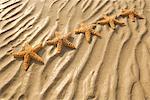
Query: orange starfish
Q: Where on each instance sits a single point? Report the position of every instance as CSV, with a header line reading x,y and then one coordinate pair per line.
x,y
111,21
27,53
131,13
87,30
60,40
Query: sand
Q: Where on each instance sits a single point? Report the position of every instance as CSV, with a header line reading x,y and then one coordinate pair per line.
x,y
115,67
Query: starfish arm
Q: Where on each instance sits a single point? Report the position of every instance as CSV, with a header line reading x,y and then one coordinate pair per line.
x,y
59,46
19,54
96,33
138,16
69,44
52,42
124,13
36,57
88,36
132,17
26,61
102,22
82,24
119,22
38,47
112,24
68,35
80,30
102,18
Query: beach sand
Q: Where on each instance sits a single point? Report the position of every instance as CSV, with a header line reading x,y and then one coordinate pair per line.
x,y
113,67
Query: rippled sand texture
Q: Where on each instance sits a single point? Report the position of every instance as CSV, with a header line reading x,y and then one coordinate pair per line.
x,y
115,67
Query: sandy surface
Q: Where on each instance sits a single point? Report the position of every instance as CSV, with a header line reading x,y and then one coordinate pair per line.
x,y
115,67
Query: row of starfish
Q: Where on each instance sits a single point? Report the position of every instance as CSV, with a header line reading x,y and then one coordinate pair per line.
x,y
112,21
59,41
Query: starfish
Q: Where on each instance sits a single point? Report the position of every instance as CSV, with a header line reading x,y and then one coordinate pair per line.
x,y
131,13
27,53
111,21
87,30
61,41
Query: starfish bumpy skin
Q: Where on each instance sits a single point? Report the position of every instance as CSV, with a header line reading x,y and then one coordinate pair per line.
x,y
131,13
87,30
29,53
112,21
61,41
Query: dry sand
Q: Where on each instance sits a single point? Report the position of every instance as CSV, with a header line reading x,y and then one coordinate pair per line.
x,y
115,67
